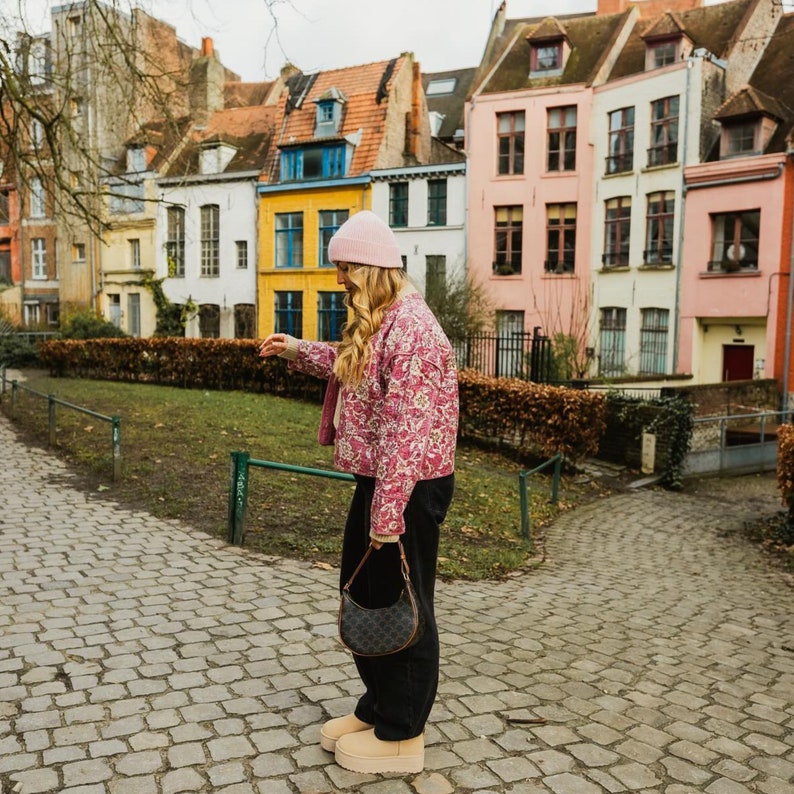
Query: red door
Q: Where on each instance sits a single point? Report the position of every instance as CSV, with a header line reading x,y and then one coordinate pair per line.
x,y
738,362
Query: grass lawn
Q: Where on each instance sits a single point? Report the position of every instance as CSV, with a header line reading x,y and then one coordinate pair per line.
x,y
176,446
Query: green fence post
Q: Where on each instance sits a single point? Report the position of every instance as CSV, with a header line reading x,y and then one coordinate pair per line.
x,y
524,500
116,440
238,496
51,418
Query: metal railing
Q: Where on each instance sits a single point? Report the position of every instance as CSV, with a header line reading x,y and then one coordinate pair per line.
x,y
52,402
238,488
523,493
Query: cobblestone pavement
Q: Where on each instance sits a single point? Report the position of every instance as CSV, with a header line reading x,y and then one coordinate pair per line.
x,y
138,657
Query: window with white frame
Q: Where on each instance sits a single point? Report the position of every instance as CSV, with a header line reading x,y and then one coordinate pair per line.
x,y
210,241
612,342
135,253
662,52
241,251
175,241
39,259
37,198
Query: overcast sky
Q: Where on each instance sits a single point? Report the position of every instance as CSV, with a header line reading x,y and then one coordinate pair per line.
x,y
329,34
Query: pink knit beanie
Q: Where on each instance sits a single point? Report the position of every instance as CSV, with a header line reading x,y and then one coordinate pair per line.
x,y
364,239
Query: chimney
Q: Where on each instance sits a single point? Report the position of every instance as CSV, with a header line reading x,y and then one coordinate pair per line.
x,y
413,119
207,78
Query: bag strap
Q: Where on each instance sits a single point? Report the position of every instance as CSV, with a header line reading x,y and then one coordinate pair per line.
x,y
403,564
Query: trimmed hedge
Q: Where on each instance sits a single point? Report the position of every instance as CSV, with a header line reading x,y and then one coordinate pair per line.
x,y
531,417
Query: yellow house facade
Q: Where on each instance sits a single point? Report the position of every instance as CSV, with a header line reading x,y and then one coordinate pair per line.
x,y
297,288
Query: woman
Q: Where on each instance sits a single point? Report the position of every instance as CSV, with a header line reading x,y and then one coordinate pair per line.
x,y
395,426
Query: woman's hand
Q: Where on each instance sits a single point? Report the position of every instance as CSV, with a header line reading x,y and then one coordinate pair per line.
x,y
274,345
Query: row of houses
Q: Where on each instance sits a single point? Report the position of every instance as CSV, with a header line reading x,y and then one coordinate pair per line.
x,y
621,182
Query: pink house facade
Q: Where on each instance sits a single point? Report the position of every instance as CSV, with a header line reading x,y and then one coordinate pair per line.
x,y
531,171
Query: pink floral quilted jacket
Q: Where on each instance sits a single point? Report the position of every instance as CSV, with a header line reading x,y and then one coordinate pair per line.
x,y
400,424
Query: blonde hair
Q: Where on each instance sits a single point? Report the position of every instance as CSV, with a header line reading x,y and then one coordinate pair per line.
x,y
374,290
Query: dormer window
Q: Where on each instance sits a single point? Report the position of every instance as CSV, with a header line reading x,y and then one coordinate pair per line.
x,y
739,138
136,159
662,52
547,58
329,113
214,158
441,86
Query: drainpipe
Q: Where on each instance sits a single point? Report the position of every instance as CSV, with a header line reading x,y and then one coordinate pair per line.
x,y
789,309
680,257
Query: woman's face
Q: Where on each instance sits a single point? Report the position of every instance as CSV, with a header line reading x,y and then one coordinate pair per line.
x,y
342,276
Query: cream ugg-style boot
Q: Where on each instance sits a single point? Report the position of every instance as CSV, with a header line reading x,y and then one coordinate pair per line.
x,y
364,752
334,729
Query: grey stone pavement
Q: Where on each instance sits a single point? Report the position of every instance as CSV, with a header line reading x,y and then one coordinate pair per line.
x,y
140,656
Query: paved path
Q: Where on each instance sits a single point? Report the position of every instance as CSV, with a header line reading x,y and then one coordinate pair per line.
x,y
137,657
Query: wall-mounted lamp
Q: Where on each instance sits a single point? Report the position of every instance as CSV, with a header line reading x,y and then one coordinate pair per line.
x,y
738,330
589,352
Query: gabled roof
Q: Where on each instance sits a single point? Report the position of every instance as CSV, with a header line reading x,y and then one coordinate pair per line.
x,y
664,27
590,39
240,95
710,27
248,130
367,92
549,30
450,105
161,138
751,102
772,83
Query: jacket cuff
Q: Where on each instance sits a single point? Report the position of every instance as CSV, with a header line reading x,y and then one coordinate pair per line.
x,y
291,353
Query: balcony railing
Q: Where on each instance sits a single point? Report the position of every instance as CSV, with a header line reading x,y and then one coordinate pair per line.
x,y
554,266
658,256
620,163
666,154
615,259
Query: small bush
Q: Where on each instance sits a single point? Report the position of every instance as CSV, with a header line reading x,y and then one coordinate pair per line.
x,y
87,324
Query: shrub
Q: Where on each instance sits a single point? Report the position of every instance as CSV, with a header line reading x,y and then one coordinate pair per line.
x,y
86,324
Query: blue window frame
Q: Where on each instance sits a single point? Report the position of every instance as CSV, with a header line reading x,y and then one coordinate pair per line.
x,y
289,239
331,316
288,313
329,221
313,162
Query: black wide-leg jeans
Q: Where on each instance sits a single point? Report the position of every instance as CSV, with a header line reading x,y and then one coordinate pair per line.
x,y
401,687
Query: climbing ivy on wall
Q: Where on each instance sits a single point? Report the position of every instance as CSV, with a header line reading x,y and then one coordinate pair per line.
x,y
171,317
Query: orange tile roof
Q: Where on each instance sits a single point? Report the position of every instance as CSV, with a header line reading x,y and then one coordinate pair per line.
x,y
360,85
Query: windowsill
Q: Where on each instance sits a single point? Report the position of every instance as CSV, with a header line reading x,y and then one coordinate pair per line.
x,y
559,174
505,276
661,167
615,269
509,177
657,266
555,274
615,174
729,273
203,275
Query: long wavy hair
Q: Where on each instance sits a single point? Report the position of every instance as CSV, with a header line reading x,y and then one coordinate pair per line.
x,y
374,290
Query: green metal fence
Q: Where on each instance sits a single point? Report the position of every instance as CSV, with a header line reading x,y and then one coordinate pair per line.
x,y
238,488
52,402
523,492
